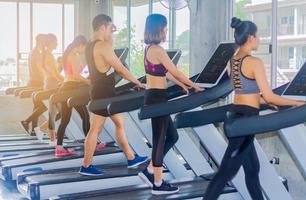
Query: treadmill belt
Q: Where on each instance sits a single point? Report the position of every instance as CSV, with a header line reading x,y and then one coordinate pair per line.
x,y
53,158
188,189
72,175
5,149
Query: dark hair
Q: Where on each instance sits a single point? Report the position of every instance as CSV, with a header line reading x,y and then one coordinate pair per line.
x,y
155,23
47,39
78,40
40,38
243,29
100,20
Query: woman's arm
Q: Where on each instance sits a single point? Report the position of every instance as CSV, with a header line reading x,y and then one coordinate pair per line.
x,y
75,62
51,67
174,80
267,94
168,64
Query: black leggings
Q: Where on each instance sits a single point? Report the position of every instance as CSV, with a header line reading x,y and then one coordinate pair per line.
x,y
240,152
163,132
73,89
38,110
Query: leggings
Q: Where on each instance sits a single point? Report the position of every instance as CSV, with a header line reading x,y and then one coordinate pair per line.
x,y
240,152
39,109
71,88
163,131
54,110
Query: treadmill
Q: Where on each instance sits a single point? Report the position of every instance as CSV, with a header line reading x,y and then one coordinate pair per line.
x,y
285,118
191,187
45,95
41,155
42,181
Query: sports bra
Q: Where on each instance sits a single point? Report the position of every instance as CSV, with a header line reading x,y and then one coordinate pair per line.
x,y
68,69
241,83
153,69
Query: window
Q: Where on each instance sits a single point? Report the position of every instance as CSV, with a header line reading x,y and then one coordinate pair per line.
x,y
290,53
8,47
182,38
120,19
304,52
284,20
134,24
16,41
139,12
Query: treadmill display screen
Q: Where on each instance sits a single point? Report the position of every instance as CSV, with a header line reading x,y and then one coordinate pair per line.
x,y
122,54
297,87
216,65
174,55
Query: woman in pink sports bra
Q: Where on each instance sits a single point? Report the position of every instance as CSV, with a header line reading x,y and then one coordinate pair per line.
x,y
73,81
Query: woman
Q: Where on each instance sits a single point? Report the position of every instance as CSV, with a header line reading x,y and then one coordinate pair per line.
x,y
251,89
52,78
42,129
73,82
159,68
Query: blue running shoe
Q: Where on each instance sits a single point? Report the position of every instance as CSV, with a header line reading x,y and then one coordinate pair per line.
x,y
138,160
91,171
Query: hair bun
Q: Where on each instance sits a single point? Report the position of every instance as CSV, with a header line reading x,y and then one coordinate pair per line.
x,y
236,23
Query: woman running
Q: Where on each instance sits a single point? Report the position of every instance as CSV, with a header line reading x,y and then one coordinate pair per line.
x,y
251,89
159,68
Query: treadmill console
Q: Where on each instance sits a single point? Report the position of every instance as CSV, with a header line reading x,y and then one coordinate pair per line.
x,y
216,66
297,86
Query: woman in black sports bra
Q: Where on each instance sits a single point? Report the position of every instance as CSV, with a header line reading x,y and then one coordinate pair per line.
x,y
100,56
159,68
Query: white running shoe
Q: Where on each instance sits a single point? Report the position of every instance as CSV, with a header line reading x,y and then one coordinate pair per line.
x,y
53,143
39,134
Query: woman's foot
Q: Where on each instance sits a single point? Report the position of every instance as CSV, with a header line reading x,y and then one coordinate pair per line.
x,y
53,143
100,147
138,160
39,134
25,125
164,188
61,151
147,177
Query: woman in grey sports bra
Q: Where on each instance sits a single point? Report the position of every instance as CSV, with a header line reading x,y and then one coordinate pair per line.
x,y
251,88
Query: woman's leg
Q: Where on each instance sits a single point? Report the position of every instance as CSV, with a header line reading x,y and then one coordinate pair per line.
x,y
65,118
235,154
83,112
251,168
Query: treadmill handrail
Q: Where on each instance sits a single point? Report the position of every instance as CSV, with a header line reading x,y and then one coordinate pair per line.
x,y
28,93
43,95
270,122
201,117
78,101
131,104
186,103
213,115
64,96
101,104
